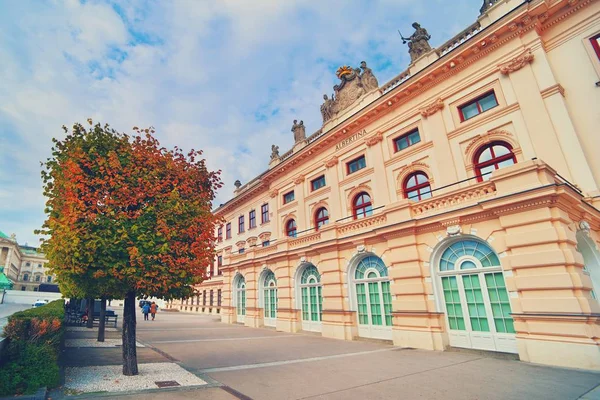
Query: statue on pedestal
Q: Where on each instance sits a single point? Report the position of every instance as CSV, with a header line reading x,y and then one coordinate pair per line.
x,y
418,42
326,108
367,78
299,131
274,152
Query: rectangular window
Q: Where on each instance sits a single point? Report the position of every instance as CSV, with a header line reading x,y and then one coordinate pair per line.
x,y
266,243
204,298
220,234
317,183
228,230
264,212
252,219
407,140
219,297
241,227
356,165
288,197
211,297
219,265
596,44
241,250
478,106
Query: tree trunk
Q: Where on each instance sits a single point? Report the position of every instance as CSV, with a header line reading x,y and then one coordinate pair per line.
x,y
130,366
102,320
90,314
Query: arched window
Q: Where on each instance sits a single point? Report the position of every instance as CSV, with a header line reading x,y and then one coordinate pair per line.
x,y
373,298
312,299
417,187
240,298
361,206
321,217
491,157
473,292
270,299
290,228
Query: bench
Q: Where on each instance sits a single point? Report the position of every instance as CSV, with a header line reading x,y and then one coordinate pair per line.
x,y
107,319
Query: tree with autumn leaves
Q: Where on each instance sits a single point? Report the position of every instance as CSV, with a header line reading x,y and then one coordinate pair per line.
x,y
127,218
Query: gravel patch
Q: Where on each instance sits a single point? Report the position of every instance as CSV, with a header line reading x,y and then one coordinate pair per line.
x,y
84,329
110,378
95,343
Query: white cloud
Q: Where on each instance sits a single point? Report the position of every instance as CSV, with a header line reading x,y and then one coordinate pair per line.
x,y
227,77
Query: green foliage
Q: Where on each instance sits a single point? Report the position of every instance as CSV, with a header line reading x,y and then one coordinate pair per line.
x,y
124,214
30,359
35,367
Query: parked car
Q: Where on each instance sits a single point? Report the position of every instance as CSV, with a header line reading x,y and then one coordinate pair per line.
x,y
40,303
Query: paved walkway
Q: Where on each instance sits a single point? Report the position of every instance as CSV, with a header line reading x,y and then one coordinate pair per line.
x,y
9,309
244,363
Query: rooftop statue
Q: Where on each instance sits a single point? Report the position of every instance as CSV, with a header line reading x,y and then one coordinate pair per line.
x,y
354,82
418,42
299,131
274,152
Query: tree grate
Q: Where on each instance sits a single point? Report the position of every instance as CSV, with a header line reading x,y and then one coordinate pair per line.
x,y
163,384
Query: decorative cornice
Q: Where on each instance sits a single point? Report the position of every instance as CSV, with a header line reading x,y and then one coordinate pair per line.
x,y
251,241
240,243
264,236
299,180
516,63
446,201
486,138
373,140
432,108
305,239
549,91
332,162
273,193
362,223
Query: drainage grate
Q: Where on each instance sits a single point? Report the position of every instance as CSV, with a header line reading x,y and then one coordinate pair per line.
x,y
163,384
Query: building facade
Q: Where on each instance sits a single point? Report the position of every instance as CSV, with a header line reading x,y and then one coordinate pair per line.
x,y
456,205
24,265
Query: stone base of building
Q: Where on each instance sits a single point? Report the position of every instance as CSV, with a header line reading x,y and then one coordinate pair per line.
x,y
560,354
425,340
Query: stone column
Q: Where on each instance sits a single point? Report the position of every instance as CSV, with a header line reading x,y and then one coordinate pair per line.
x,y
435,128
556,320
254,316
338,321
379,182
544,137
415,322
553,95
285,309
332,179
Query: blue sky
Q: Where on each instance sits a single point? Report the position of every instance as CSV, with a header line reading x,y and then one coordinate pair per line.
x,y
227,77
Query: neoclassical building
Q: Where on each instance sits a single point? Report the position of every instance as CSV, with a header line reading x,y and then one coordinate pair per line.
x,y
23,265
455,206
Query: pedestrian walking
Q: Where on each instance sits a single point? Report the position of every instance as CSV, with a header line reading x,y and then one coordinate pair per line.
x,y
146,310
153,310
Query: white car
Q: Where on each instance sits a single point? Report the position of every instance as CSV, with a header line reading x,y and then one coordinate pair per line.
x,y
40,303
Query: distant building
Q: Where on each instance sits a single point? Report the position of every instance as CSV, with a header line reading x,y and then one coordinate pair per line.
x,y
24,265
457,205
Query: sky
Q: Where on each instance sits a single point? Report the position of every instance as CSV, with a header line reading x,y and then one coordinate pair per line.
x,y
224,76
